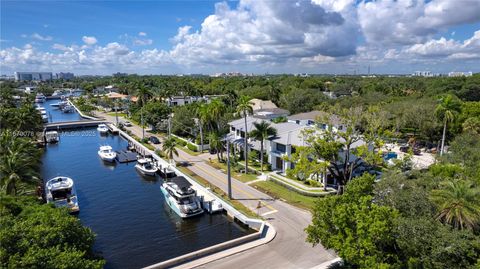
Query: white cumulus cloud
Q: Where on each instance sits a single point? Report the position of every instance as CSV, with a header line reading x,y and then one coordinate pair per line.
x,y
89,40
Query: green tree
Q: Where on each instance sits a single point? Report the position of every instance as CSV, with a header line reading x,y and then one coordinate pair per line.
x,y
155,112
40,236
204,116
143,94
19,163
359,230
447,109
263,130
458,204
216,144
169,147
244,107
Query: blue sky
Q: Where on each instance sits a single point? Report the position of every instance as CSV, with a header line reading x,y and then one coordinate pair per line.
x,y
251,36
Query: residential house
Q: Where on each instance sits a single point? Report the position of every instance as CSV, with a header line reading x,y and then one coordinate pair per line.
x,y
289,136
266,109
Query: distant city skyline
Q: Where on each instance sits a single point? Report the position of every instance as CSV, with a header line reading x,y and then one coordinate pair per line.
x,y
248,36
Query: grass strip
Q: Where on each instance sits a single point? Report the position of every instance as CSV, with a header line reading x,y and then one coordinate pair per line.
x,y
280,192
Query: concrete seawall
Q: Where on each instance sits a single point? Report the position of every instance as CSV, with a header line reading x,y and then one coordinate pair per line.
x,y
265,232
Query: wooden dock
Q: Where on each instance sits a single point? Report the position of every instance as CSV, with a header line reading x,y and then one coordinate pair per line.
x,y
126,156
113,129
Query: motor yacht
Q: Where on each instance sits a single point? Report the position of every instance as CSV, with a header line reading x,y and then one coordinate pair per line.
x,y
181,197
146,167
107,154
61,192
102,128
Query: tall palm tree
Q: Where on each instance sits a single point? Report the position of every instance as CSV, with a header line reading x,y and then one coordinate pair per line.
x,y
262,132
447,109
217,110
458,202
244,106
169,147
143,94
204,116
19,163
215,143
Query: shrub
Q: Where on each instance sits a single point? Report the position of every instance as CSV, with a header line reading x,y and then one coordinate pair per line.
x,y
192,147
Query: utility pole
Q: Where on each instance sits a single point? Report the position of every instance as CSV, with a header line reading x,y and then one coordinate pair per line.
x,y
116,111
143,128
169,126
229,177
201,135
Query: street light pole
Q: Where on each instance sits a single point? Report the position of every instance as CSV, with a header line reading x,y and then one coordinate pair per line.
x,y
229,177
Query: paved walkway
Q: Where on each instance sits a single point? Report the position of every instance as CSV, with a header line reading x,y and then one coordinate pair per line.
x,y
287,250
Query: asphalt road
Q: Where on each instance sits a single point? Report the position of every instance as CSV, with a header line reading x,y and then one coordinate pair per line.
x,y
288,249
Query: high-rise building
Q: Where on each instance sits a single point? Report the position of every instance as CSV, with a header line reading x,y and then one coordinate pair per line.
x,y
33,76
460,74
65,76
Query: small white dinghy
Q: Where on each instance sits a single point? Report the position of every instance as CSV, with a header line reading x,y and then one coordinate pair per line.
x,y
61,192
146,167
107,154
102,128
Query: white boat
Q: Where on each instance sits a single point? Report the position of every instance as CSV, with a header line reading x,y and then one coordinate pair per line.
x,y
61,192
181,198
40,98
102,128
107,154
52,137
68,109
146,167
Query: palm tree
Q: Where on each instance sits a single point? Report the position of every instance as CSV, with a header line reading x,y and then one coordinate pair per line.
x,y
215,143
262,131
143,94
217,109
243,108
169,147
19,163
458,203
447,109
204,116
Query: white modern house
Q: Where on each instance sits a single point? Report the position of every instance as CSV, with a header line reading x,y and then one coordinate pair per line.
x,y
290,135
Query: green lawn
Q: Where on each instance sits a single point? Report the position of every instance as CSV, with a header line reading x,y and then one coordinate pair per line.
x,y
187,150
303,184
236,204
240,176
119,114
291,197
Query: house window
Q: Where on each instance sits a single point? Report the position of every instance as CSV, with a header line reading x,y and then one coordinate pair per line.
x,y
293,150
281,148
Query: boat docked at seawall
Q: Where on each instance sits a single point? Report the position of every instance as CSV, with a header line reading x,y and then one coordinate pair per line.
x,y
146,167
68,109
107,154
52,137
102,128
61,192
40,98
181,197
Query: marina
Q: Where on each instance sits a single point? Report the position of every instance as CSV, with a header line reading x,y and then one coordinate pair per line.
x,y
135,226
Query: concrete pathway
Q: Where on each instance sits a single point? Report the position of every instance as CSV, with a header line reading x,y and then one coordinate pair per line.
x,y
287,250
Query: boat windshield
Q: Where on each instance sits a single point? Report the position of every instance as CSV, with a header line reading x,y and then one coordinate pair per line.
x,y
186,200
148,166
61,194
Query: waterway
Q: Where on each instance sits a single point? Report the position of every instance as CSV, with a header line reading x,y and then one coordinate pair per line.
x,y
127,211
55,114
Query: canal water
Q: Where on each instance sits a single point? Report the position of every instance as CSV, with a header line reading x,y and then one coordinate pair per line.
x,y
55,114
134,226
